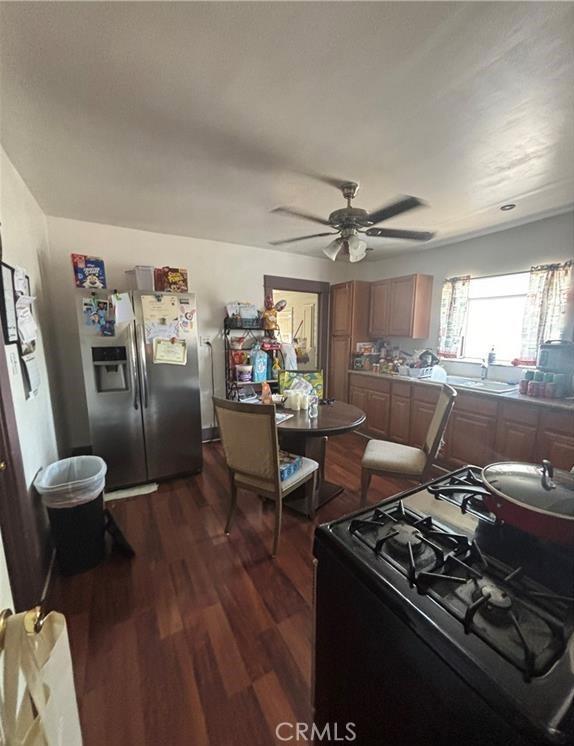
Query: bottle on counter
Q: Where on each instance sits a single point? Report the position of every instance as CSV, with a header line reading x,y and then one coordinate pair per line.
x,y
491,359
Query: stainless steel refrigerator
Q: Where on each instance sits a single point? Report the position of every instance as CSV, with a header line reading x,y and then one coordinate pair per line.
x,y
144,412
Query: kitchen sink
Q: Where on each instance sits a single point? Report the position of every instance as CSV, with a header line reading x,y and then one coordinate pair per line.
x,y
480,384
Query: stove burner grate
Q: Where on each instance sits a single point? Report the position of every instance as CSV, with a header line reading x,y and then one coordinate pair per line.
x,y
523,621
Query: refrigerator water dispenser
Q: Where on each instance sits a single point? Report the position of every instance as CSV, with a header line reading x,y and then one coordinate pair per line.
x,y
110,368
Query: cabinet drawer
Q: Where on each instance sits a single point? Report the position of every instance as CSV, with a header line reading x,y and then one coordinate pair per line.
x,y
475,404
401,388
371,383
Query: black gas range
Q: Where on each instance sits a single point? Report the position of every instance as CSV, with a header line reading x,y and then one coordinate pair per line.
x,y
436,624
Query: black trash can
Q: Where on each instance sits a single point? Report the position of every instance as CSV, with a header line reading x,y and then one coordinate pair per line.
x,y
73,492
78,534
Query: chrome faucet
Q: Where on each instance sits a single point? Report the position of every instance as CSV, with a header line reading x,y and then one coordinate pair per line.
x,y
484,371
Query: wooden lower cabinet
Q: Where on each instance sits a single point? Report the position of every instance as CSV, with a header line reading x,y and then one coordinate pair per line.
x,y
359,397
555,439
400,419
378,410
516,433
469,439
481,429
421,416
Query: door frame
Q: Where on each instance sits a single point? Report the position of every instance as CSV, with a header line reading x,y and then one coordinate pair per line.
x,y
323,290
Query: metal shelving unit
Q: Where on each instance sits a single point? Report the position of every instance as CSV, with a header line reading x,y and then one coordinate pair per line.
x,y
232,386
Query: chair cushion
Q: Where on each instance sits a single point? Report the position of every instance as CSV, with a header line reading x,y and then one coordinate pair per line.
x,y
308,466
383,455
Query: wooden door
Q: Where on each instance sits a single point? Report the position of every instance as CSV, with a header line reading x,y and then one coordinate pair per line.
x,y
399,421
342,309
401,305
339,361
378,407
379,309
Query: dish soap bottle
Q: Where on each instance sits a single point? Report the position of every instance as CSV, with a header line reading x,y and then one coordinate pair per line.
x,y
492,356
276,369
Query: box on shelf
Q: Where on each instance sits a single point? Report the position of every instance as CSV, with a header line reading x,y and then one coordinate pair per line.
x,y
170,280
141,277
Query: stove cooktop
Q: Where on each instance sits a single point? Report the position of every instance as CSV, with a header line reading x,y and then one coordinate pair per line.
x,y
513,591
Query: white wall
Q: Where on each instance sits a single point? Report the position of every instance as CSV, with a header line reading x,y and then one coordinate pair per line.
x,y
25,243
512,250
218,273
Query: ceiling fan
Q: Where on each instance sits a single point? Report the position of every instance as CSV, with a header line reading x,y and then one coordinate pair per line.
x,y
350,221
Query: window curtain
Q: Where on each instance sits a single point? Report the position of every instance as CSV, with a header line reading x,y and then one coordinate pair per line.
x,y
453,309
546,302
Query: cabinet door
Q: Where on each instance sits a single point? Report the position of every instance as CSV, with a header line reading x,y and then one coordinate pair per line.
x,y
515,441
470,439
338,367
556,438
399,421
401,306
378,413
359,397
421,416
342,309
379,309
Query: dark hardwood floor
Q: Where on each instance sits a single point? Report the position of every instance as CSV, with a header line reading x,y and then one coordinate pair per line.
x,y
202,638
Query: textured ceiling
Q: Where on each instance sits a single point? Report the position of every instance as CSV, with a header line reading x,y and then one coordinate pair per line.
x,y
198,118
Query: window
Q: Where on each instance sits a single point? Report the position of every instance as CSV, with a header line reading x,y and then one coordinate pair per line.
x,y
494,317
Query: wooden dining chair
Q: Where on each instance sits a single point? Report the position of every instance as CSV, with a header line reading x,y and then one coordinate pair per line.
x,y
249,436
396,460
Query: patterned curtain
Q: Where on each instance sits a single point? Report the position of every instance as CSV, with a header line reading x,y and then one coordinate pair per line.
x,y
545,314
453,308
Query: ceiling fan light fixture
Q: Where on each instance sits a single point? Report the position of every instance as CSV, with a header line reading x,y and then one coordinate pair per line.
x,y
357,248
333,249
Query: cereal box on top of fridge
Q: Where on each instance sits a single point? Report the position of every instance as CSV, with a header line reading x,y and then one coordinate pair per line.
x,y
89,272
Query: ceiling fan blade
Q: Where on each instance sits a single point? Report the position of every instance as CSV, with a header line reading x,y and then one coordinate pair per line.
x,y
396,208
398,233
300,214
301,238
331,180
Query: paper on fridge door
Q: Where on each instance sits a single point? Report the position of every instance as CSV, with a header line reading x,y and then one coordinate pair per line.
x,y
170,351
186,315
124,313
161,317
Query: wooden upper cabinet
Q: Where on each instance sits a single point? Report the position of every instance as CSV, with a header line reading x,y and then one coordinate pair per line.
x,y
350,310
401,306
341,309
379,308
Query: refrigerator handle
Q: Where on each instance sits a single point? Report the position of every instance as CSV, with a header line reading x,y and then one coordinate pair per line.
x,y
134,364
143,365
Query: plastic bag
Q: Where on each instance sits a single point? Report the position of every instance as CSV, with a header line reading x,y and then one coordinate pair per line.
x,y
71,481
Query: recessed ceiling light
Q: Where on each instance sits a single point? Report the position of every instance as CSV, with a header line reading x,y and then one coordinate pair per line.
x,y
509,206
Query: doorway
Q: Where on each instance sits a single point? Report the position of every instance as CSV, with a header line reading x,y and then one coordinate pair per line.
x,y
304,320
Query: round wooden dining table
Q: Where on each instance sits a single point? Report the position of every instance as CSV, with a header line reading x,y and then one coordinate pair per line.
x,y
305,436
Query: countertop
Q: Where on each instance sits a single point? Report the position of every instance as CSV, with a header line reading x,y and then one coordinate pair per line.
x,y
561,404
